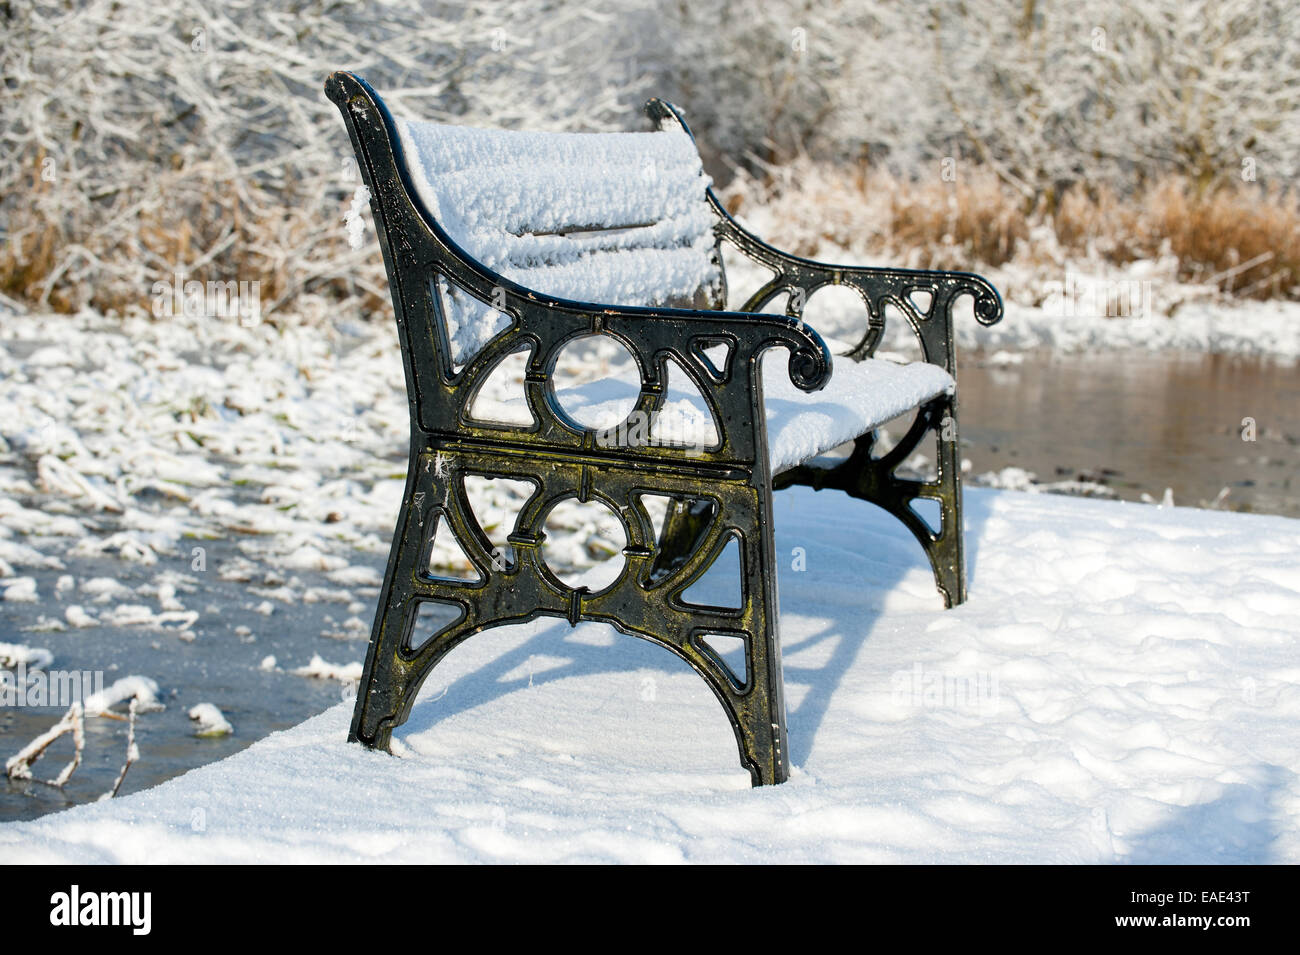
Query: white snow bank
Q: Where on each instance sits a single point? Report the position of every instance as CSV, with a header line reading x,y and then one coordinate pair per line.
x,y
1123,685
321,669
1246,327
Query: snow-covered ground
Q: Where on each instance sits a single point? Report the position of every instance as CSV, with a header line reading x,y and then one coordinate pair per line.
x,y
1123,685
134,438
1269,329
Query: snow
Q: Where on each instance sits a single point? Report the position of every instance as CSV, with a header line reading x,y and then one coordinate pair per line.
x,y
1244,327
289,435
138,615
354,220
20,590
323,670
12,655
105,589
139,688
859,396
78,616
615,218
211,721
1161,313
482,183
1121,686
1018,479
356,575
291,439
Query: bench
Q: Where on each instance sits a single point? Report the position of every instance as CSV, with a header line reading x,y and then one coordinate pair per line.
x,y
498,243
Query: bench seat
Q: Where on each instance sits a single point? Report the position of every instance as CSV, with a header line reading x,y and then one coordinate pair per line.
x,y
861,396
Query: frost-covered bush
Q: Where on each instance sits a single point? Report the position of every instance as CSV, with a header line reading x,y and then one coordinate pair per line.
x,y
1046,92
143,137
1053,92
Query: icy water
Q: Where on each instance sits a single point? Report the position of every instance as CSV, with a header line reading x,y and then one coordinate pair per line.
x,y
219,662
1135,424
1140,423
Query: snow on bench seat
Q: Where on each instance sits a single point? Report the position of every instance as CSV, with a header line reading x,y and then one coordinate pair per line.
x,y
615,218
861,395
620,219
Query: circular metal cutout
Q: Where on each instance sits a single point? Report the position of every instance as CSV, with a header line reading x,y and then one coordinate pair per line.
x,y
584,544
596,382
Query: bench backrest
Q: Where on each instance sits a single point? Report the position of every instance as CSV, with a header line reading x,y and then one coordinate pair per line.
x,y
617,218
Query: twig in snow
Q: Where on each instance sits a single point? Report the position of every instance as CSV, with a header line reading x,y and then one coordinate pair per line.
x,y
141,693
132,754
19,766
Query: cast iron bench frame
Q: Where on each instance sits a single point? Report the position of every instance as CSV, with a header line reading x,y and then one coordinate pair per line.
x,y
721,494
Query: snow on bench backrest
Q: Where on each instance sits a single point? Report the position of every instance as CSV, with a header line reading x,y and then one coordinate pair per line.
x,y
616,218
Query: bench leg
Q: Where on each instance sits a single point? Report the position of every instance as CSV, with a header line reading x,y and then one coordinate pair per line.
x,y
391,677
695,533
645,601
757,711
873,479
944,545
395,668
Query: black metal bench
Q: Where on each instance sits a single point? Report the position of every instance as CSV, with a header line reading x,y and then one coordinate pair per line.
x,y
548,215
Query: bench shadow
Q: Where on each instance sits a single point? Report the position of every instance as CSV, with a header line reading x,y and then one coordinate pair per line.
x,y
510,671
1235,829
848,626
977,508
876,548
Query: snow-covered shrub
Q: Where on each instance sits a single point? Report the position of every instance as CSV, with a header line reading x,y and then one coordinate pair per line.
x,y
146,137
1054,92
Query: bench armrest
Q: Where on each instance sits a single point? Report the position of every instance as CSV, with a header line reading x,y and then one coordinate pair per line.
x,y
732,390
878,287
650,331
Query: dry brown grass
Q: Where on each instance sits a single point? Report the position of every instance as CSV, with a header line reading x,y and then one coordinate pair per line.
x,y
979,221
931,224
1215,234
972,219
28,256
937,225
106,256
